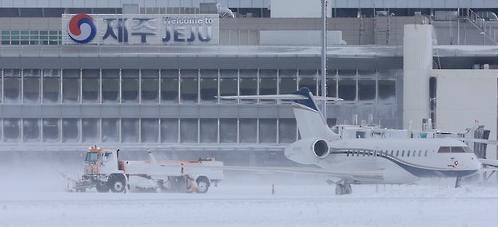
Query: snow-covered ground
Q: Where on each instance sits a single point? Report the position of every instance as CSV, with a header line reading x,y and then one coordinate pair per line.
x,y
33,195
253,205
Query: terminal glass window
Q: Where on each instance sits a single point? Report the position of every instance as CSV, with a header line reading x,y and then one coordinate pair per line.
x,y
367,90
228,84
149,130
130,85
308,78
169,130
287,81
347,72
110,132
5,37
150,85
31,85
268,130
247,83
347,89
70,130
189,86
31,130
208,130
90,130
247,130
367,73
50,129
189,130
228,130
330,83
130,130
12,85
110,85
209,85
268,83
386,90
71,85
51,85
169,86
287,130
90,85
11,129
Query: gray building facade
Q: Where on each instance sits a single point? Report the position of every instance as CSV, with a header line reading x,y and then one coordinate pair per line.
x,y
58,97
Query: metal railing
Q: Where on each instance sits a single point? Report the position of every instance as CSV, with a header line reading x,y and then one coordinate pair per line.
x,y
488,29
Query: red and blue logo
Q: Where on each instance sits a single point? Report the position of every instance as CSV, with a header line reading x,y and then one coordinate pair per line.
x,y
81,28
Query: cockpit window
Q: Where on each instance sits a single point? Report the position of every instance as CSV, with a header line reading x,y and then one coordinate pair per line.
x,y
453,150
457,149
444,150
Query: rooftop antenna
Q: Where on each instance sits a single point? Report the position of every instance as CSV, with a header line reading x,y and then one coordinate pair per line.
x,y
323,56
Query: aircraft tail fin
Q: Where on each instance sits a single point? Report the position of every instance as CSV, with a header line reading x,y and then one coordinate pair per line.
x,y
309,120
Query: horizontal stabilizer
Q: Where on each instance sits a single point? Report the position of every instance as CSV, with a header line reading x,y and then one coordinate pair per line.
x,y
277,97
331,99
282,97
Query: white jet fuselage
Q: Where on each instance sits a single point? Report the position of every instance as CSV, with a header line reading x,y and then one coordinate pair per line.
x,y
397,160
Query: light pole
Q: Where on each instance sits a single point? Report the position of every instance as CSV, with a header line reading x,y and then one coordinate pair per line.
x,y
323,57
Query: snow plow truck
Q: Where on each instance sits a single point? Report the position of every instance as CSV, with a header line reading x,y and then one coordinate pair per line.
x,y
104,171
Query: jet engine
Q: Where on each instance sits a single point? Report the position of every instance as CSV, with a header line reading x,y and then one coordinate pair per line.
x,y
307,151
320,148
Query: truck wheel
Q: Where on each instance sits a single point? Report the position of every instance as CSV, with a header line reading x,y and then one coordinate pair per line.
x,y
116,183
203,184
101,187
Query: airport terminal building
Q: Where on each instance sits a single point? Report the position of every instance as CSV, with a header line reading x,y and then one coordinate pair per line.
x,y
139,85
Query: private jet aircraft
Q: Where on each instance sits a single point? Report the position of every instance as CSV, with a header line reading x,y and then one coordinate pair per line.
x,y
370,160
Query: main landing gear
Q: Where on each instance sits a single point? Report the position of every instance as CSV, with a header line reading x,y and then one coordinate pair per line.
x,y
458,182
342,187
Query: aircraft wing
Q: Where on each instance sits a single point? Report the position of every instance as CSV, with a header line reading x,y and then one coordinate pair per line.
x,y
354,176
489,163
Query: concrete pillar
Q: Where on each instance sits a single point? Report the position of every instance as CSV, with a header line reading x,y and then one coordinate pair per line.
x,y
418,62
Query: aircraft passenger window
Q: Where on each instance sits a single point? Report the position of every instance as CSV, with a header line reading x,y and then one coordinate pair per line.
x,y
397,153
444,150
457,150
419,153
403,151
414,154
391,153
426,153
